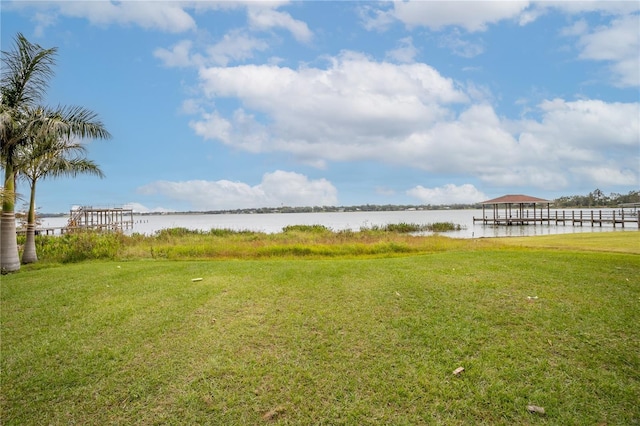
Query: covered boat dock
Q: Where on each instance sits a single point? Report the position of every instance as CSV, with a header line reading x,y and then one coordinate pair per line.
x,y
514,209
527,210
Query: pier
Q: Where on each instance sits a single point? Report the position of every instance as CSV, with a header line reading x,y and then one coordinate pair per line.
x,y
513,210
88,218
100,219
614,217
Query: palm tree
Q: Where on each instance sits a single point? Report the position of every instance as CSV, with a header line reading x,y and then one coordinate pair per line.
x,y
49,157
25,76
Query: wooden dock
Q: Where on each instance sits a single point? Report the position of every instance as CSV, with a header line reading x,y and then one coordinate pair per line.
x,y
100,219
50,230
87,218
600,217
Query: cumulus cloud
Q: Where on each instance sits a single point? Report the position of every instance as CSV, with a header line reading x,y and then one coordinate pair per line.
x,y
617,43
608,174
447,194
276,189
588,124
342,111
436,15
410,115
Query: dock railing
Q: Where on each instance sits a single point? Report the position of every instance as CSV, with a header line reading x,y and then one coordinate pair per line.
x,y
100,219
599,217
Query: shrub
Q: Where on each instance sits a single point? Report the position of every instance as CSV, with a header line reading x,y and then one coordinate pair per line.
x,y
315,229
80,246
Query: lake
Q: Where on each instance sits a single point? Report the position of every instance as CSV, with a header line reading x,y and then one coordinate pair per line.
x,y
337,221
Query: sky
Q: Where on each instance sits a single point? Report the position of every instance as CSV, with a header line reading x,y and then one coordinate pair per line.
x,y
216,105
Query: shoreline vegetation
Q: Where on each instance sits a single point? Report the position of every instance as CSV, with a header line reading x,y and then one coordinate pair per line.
x,y
295,241
303,327
292,241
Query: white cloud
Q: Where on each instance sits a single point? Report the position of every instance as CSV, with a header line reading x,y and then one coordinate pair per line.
x,y
212,126
474,16
407,115
436,15
354,96
580,7
140,208
262,18
578,28
276,189
608,174
235,46
447,194
164,16
586,124
405,52
169,16
179,55
572,138
617,43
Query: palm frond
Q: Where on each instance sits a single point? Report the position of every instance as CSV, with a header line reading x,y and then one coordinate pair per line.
x,y
53,156
68,121
26,73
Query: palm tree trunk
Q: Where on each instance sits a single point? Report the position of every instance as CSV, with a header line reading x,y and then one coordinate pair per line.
x,y
9,259
29,255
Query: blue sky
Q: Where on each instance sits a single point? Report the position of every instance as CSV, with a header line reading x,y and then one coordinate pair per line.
x,y
226,105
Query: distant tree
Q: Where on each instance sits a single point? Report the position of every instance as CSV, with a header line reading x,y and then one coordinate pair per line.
x,y
631,197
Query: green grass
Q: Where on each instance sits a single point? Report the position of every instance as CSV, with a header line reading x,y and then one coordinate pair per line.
x,y
314,241
330,341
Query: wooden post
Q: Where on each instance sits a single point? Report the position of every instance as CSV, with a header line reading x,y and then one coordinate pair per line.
x,y
549,215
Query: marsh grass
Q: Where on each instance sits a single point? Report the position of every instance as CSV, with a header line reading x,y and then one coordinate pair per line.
x,y
318,341
294,241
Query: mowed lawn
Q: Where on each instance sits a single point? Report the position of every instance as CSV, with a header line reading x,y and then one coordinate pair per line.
x,y
340,341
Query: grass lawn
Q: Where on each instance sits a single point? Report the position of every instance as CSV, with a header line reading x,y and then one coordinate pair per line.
x,y
550,322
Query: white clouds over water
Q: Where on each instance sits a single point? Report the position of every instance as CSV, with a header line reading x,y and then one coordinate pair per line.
x,y
276,189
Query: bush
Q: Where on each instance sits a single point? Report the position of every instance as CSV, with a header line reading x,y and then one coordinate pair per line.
x,y
80,246
407,228
314,229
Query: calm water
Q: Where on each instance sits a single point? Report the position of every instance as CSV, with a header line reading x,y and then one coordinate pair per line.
x,y
274,222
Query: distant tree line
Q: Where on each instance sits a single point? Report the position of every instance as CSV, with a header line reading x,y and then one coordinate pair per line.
x,y
597,198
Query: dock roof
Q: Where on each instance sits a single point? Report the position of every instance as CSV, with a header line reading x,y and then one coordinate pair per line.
x,y
516,199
